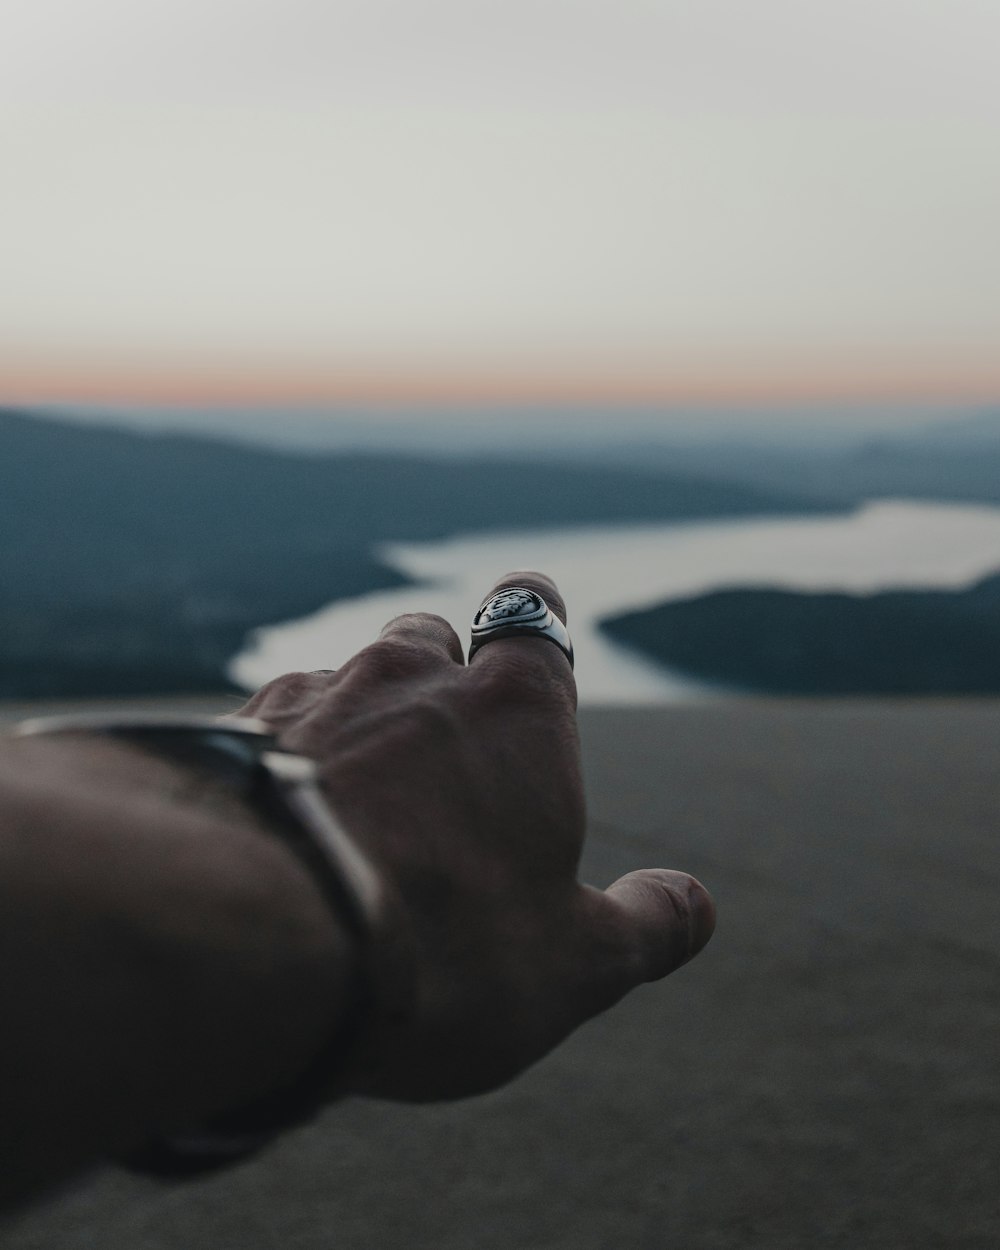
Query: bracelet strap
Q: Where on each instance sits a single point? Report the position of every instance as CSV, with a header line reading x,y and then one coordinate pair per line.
x,y
244,754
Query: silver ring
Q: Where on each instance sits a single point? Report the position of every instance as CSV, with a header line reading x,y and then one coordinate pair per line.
x,y
518,612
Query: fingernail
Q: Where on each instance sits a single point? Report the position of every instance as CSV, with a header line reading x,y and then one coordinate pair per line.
x,y
701,917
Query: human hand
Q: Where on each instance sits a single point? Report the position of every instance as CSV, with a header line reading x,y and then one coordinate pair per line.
x,y
462,786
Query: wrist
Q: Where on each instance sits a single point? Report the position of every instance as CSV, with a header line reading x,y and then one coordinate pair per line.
x,y
255,972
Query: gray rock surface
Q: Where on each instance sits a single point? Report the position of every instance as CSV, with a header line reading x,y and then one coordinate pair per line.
x,y
826,1074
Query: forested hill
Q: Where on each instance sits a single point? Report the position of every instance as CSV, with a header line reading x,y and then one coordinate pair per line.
x,y
174,486
898,642
138,563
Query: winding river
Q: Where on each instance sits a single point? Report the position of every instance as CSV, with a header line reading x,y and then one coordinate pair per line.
x,y
610,569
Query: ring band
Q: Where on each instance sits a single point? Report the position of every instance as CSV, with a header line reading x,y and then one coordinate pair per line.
x,y
514,612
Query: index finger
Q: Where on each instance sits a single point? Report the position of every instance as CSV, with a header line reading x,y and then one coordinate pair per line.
x,y
527,660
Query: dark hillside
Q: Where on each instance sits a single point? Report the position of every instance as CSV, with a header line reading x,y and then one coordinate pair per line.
x,y
906,642
134,563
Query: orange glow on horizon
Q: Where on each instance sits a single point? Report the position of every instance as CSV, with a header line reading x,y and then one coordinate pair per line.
x,y
196,385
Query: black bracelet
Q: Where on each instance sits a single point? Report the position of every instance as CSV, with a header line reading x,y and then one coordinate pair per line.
x,y
243,755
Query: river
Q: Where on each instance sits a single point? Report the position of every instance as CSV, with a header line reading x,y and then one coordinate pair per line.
x,y
610,569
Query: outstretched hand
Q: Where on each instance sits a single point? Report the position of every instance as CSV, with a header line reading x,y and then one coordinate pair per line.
x,y
462,785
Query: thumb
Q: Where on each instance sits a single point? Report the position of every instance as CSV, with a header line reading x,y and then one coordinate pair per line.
x,y
666,918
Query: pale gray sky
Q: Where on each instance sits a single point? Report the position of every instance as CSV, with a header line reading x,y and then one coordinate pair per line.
x,y
711,193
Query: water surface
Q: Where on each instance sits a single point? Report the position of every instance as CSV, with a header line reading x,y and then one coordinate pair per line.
x,y
610,569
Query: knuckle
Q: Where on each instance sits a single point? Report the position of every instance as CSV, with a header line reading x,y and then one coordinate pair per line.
x,y
420,622
393,658
423,628
297,683
524,678
286,689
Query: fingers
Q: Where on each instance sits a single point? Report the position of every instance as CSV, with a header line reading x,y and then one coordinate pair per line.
x,y
427,634
528,662
287,695
645,926
421,643
414,648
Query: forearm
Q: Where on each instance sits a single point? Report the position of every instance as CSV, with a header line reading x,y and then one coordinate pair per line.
x,y
162,960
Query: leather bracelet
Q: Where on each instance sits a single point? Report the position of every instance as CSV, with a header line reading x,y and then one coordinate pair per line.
x,y
243,755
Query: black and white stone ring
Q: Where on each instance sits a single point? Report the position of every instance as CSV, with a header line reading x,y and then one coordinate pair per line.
x,y
517,612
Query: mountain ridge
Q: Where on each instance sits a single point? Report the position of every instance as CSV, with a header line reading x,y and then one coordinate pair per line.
x,y
784,642
138,563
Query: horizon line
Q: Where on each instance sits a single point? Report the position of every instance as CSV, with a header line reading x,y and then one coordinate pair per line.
x,y
188,386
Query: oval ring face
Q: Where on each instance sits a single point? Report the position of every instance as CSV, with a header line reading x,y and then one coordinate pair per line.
x,y
516,610
510,606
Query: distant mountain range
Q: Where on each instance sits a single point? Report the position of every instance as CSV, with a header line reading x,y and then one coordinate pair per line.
x,y
628,432
847,455
138,563
957,460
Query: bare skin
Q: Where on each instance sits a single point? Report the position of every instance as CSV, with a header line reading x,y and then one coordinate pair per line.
x,y
460,783
463,784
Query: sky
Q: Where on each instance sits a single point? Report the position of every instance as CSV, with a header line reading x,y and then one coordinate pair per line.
x,y
436,200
